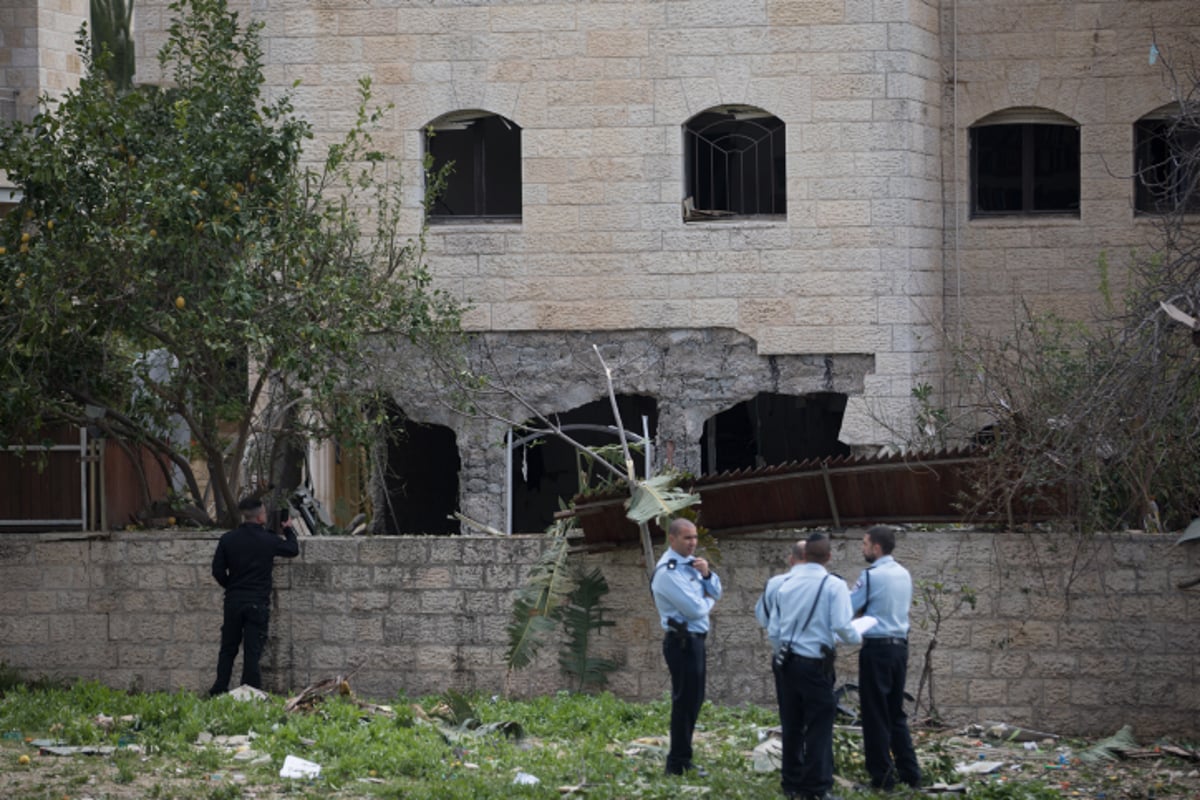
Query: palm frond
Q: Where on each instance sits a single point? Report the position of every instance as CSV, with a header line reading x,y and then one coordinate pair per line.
x,y
657,498
536,607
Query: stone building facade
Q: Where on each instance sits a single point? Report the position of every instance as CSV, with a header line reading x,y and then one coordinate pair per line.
x,y
775,184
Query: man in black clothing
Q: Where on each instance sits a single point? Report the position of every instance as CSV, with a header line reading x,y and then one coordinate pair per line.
x,y
242,565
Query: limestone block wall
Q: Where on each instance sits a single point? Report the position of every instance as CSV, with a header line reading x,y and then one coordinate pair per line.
x,y
601,92
1091,62
1070,636
37,49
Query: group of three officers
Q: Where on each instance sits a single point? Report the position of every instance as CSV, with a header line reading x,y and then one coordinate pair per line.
x,y
805,611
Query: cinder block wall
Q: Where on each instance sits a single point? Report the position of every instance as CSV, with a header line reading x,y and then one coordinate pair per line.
x,y
1072,637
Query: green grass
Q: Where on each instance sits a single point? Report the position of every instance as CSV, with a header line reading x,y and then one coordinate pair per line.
x,y
612,746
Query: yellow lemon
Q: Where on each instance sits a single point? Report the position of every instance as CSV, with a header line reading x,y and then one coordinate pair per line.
x,y
153,233
24,238
3,250
180,302
23,760
50,225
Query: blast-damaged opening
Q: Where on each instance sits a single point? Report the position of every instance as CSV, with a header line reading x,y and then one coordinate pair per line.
x,y
774,429
548,469
421,476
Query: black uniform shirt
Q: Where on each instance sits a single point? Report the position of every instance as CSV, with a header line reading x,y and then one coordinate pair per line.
x,y
244,557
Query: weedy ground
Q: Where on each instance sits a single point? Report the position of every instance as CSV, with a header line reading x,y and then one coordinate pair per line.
x,y
173,746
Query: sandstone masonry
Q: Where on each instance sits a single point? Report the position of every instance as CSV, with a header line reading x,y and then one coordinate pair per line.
x,y
1077,637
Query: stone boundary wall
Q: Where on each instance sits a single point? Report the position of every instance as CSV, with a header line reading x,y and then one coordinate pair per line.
x,y
1066,636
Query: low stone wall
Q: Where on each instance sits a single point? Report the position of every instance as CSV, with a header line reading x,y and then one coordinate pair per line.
x,y
1078,637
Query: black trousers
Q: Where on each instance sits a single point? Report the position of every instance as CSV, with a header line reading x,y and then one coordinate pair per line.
x,y
882,669
685,657
245,626
806,711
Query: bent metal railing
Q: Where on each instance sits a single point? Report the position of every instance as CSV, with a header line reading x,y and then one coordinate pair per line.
x,y
838,492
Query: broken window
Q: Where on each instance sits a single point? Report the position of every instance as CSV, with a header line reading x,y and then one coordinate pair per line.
x,y
773,429
1166,163
546,470
734,164
421,477
484,154
1025,162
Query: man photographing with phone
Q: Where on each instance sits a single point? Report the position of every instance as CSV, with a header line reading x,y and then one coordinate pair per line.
x,y
242,565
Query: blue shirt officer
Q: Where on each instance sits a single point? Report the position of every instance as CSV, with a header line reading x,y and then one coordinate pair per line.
x,y
813,613
685,589
884,591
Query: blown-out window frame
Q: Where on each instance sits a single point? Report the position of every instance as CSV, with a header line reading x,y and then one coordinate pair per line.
x,y
735,165
1166,163
483,184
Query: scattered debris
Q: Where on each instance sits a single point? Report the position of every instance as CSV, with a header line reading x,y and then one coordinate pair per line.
x,y
1012,733
767,756
978,767
296,767
1110,749
523,778
246,693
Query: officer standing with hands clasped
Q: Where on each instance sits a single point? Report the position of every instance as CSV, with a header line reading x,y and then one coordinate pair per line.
x,y
685,589
884,591
810,607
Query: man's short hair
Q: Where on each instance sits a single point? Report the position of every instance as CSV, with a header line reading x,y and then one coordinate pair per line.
x,y
250,506
884,536
817,550
798,548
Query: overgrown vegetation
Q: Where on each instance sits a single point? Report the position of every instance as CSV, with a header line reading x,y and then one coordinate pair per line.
x,y
179,278
171,746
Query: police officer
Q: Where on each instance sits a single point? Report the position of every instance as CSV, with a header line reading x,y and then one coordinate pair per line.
x,y
768,602
685,589
811,606
242,565
884,591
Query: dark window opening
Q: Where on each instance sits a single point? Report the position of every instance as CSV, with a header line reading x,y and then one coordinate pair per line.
x,y
1025,169
1166,166
547,470
422,477
484,154
735,164
774,429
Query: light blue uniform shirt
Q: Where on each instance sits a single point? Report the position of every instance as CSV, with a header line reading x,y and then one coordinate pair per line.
x,y
768,602
681,593
796,595
884,590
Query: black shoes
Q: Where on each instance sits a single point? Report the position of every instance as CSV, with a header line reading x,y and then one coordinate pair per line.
x,y
694,770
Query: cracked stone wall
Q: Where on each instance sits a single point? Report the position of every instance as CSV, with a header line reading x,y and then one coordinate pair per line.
x,y
1071,636
692,374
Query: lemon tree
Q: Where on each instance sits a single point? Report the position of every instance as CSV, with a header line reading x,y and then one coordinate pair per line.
x,y
182,270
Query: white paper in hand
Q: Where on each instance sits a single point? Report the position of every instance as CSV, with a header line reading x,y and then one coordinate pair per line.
x,y
863,624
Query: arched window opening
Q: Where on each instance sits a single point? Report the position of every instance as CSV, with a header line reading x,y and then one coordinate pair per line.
x,y
421,477
1166,162
1024,162
483,152
735,164
547,470
773,429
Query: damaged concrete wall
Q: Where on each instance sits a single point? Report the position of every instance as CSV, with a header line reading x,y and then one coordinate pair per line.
x,y
1076,637
692,374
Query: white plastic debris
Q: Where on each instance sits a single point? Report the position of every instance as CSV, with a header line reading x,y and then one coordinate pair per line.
x,y
296,767
523,778
978,767
245,693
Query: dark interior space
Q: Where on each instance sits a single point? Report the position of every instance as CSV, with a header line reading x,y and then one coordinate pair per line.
x,y
421,478
548,469
774,429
